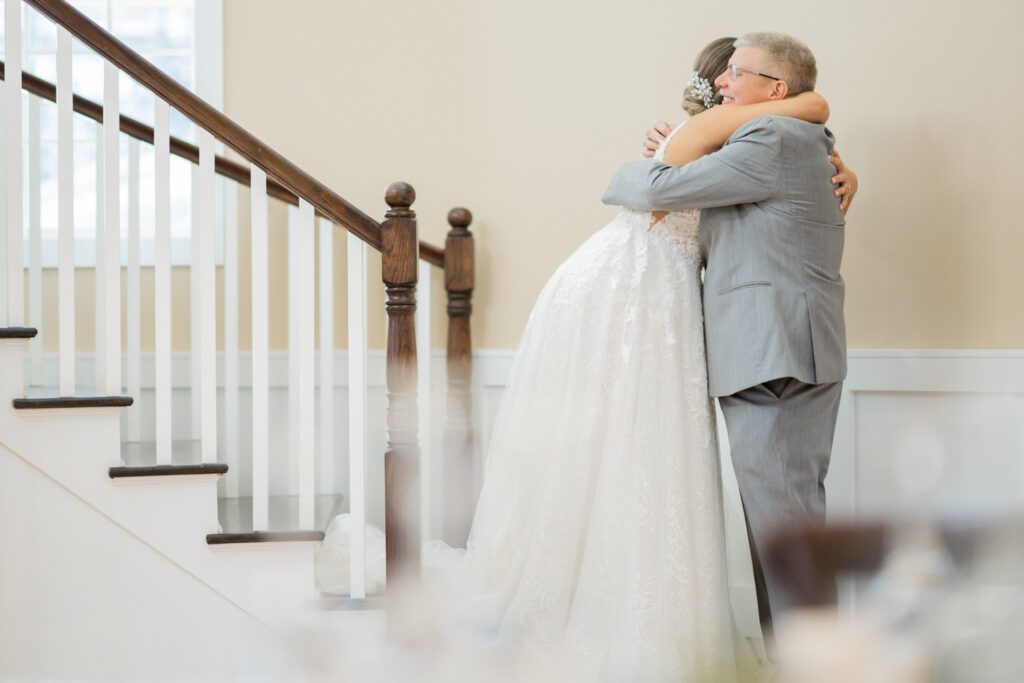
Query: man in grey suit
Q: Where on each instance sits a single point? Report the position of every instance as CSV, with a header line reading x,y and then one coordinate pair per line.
x,y
771,235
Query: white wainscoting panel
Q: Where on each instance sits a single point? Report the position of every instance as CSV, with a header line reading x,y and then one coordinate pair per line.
x,y
938,433
920,432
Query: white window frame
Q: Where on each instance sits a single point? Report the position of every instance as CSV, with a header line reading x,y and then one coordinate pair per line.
x,y
208,84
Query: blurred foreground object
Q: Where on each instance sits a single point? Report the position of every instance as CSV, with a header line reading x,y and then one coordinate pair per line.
x,y
940,602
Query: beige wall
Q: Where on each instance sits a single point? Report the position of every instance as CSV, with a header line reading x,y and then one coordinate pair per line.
x,y
522,110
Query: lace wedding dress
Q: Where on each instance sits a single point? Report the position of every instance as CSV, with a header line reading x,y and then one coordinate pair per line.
x,y
599,536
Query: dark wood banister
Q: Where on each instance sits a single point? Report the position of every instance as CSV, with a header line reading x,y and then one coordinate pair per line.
x,y
327,202
184,149
432,255
140,131
209,119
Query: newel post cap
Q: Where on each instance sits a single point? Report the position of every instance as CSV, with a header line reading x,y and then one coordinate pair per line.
x,y
400,195
460,218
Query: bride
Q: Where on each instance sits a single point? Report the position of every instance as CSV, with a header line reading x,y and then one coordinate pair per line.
x,y
598,537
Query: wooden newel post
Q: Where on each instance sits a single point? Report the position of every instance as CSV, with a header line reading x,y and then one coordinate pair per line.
x,y
459,463
400,252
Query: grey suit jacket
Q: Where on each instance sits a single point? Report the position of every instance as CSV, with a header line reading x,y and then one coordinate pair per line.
x,y
771,236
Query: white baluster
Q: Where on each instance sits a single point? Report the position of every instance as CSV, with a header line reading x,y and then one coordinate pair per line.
x,y
3,209
327,456
293,349
231,337
35,242
15,211
100,272
307,351
65,215
423,389
260,343
133,366
112,236
195,364
357,326
162,280
208,301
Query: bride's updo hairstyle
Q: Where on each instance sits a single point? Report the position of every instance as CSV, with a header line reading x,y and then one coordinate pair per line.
x,y
710,63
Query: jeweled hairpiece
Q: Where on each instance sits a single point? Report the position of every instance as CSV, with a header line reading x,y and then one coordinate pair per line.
x,y
702,89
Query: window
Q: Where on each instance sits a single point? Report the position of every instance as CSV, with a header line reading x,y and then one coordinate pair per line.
x,y
176,35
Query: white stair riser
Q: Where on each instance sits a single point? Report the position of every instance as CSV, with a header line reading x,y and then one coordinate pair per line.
x,y
273,582
75,447
88,437
181,513
12,383
84,601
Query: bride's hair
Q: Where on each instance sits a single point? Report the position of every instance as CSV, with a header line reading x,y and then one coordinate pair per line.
x,y
710,63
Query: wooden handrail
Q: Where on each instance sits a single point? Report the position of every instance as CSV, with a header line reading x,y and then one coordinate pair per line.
x,y
435,256
140,131
290,176
184,149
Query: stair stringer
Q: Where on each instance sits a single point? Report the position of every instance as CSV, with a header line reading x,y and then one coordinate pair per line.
x,y
75,447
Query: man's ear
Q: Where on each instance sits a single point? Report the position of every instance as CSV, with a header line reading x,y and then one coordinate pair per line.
x,y
780,90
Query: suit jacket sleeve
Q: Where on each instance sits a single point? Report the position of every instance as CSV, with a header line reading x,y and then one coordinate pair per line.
x,y
744,171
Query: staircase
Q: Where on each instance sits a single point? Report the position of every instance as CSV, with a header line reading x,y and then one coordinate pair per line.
x,y
75,443
157,502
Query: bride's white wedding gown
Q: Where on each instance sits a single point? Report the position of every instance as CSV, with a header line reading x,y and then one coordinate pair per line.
x,y
599,533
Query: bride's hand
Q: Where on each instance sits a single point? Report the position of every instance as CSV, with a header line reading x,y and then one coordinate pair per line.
x,y
845,179
654,137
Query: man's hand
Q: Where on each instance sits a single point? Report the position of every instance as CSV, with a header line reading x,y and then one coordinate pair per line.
x,y
846,181
654,137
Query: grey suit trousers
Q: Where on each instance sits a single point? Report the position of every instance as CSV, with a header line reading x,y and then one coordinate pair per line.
x,y
780,435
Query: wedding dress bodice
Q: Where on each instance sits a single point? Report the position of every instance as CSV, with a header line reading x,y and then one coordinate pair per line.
x,y
678,226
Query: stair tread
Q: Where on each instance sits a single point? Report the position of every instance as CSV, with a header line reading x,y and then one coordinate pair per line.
x,y
167,470
43,398
18,332
263,537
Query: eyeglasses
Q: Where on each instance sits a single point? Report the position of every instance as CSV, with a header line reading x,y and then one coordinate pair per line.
x,y
734,73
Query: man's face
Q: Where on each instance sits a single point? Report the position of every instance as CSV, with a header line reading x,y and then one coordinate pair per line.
x,y
748,88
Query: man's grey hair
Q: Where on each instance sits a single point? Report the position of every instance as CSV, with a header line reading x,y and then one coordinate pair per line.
x,y
792,60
